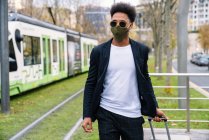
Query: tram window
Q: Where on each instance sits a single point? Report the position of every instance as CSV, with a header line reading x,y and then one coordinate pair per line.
x,y
12,57
54,45
31,50
18,39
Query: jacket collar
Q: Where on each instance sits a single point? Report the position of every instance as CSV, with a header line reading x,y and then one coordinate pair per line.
x,y
134,48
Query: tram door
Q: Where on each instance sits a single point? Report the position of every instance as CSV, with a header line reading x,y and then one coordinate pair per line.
x,y
46,56
61,55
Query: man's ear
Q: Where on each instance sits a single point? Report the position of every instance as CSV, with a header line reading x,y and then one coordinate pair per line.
x,y
131,25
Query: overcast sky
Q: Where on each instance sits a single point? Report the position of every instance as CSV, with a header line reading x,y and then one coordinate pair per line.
x,y
108,3
104,3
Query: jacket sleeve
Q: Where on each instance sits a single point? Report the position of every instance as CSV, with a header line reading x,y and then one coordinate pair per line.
x,y
90,85
146,74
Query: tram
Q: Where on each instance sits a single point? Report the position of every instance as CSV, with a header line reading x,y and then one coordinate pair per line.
x,y
40,53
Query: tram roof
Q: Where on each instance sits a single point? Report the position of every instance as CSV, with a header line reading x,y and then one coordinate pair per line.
x,y
87,36
26,19
33,21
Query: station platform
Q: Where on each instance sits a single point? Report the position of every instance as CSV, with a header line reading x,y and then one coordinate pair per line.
x,y
177,134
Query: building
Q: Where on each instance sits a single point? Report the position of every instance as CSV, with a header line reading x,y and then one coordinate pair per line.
x,y
143,29
140,21
100,18
198,14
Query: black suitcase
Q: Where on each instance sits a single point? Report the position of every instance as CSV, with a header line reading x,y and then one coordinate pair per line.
x,y
152,130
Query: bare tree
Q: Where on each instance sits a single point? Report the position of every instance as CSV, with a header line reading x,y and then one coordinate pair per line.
x,y
27,8
11,5
160,16
170,10
153,16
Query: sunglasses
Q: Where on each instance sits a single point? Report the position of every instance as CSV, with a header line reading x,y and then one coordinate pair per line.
x,y
121,23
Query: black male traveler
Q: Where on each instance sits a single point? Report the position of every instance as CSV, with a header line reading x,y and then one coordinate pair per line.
x,y
118,89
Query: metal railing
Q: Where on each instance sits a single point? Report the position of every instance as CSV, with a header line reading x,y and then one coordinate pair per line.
x,y
187,98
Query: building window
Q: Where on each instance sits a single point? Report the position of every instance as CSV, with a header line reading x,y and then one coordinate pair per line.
x,y
31,50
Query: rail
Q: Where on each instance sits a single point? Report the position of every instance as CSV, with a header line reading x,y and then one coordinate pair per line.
x,y
187,98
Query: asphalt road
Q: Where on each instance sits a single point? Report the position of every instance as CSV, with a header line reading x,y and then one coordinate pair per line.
x,y
192,68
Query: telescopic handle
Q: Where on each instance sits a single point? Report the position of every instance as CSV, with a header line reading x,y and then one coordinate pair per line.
x,y
161,117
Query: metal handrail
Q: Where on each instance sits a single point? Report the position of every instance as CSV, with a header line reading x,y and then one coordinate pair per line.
x,y
180,98
179,74
204,87
191,109
187,98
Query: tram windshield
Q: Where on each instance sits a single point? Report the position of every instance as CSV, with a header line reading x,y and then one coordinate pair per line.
x,y
12,57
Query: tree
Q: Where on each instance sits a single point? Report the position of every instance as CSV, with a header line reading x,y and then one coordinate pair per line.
x,y
169,36
160,16
27,7
65,13
203,37
153,16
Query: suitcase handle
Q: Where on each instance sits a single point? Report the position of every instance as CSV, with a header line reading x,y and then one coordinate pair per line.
x,y
161,117
166,126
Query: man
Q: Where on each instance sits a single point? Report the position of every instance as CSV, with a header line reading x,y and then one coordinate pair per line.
x,y
118,89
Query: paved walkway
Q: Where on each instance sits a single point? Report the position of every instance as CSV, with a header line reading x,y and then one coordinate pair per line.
x,y
177,134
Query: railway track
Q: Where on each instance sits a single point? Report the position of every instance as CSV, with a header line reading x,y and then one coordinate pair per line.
x,y
28,128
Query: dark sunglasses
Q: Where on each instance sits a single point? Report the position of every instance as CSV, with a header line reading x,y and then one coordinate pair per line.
x,y
121,24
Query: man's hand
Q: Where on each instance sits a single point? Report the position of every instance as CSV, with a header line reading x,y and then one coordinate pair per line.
x,y
160,113
87,125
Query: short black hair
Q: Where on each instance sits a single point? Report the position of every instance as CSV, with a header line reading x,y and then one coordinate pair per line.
x,y
124,8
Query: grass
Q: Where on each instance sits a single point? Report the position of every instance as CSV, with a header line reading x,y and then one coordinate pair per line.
x,y
173,115
28,107
59,123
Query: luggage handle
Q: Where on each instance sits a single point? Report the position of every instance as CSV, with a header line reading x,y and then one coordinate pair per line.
x,y
161,117
166,126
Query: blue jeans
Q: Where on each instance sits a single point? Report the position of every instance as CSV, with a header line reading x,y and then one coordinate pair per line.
x,y
113,126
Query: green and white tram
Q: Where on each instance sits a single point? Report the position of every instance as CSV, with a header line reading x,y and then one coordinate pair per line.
x,y
40,53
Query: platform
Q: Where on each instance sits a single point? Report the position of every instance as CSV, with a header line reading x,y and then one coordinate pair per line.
x,y
177,134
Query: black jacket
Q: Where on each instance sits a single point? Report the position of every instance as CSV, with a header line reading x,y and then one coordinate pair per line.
x,y
99,60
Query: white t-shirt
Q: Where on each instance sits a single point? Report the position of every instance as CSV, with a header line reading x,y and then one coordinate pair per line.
x,y
120,94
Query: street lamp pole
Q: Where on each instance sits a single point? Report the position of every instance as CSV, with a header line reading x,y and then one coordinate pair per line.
x,y
4,57
182,42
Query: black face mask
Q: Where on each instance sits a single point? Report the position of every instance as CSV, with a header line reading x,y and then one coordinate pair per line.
x,y
119,33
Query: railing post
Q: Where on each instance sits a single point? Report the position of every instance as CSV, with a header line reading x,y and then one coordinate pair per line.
x,y
188,104
4,57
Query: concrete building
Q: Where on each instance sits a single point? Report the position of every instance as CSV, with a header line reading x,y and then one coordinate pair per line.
x,y
198,14
143,30
140,21
100,18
